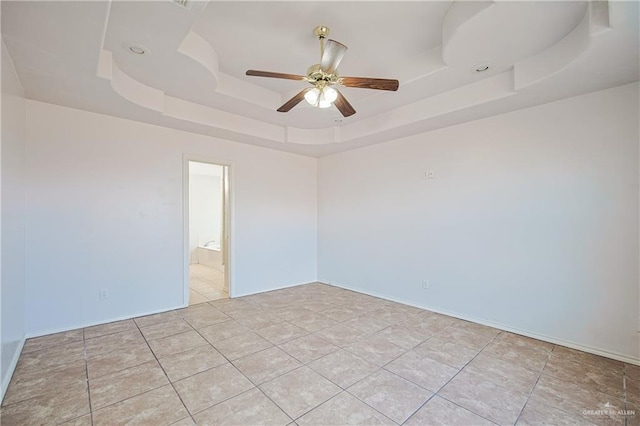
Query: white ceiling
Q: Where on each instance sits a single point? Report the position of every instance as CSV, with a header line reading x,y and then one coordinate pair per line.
x,y
192,77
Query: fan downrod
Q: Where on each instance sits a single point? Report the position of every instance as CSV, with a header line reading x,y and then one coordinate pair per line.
x,y
325,74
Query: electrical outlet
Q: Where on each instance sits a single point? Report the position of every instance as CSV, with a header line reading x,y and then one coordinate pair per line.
x,y
104,293
425,284
428,174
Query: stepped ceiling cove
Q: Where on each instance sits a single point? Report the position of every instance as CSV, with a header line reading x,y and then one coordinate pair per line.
x,y
184,67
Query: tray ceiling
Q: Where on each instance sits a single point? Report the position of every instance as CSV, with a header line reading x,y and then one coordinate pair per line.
x,y
191,76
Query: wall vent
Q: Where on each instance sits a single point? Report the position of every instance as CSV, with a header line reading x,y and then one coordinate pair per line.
x,y
185,4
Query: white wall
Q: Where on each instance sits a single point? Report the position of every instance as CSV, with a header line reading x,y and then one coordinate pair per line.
x,y
531,222
12,223
205,210
105,211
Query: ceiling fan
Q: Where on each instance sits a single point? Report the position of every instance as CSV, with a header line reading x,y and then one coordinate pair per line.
x,y
324,75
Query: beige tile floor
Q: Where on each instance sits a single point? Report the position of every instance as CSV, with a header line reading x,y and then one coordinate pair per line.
x,y
313,355
205,284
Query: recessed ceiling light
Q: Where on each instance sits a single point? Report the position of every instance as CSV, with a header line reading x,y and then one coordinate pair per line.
x,y
136,49
481,68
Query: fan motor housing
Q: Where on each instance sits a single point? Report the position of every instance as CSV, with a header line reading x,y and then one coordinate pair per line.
x,y
314,73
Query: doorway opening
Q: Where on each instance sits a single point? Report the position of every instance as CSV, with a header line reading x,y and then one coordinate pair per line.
x,y
208,232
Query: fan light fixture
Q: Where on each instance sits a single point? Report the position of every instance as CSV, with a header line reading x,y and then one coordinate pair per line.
x,y
321,98
324,75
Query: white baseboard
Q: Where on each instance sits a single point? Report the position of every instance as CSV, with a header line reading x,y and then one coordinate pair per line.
x,y
12,367
31,334
274,289
549,339
544,338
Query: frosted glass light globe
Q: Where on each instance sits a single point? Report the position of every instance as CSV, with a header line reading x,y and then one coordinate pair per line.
x,y
312,96
330,94
321,98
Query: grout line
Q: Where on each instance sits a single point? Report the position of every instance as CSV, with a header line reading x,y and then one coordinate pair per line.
x,y
235,396
379,368
466,409
374,408
55,370
134,396
163,370
117,371
86,367
313,360
624,392
573,414
276,378
459,371
414,383
314,371
345,389
275,403
322,403
161,315
110,332
268,305
340,386
53,346
270,399
168,335
244,375
433,395
231,363
189,417
535,384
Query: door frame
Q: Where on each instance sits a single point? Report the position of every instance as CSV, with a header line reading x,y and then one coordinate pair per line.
x,y
228,226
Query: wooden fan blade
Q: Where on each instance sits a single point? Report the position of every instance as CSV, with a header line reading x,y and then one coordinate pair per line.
x,y
294,101
370,83
343,105
256,73
333,54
